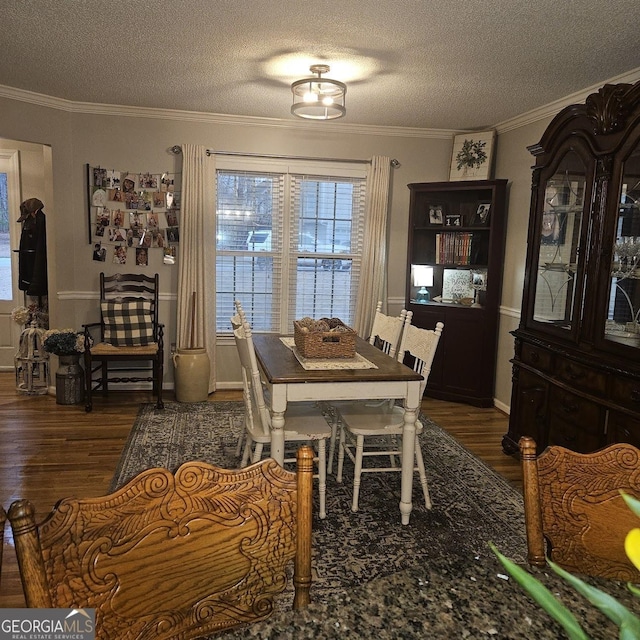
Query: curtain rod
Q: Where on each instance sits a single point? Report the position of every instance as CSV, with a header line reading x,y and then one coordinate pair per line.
x,y
177,149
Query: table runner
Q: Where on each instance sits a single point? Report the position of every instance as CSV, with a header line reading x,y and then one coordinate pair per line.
x,y
316,364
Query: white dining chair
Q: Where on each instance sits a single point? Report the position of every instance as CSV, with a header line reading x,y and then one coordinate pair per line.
x,y
373,431
386,333
304,421
236,323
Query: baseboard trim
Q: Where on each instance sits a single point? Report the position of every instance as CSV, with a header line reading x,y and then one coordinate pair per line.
x,y
505,408
229,385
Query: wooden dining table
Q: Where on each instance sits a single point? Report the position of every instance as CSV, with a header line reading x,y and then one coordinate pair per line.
x,y
288,381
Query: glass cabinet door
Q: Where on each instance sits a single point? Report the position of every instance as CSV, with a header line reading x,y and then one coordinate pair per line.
x,y
560,219
623,317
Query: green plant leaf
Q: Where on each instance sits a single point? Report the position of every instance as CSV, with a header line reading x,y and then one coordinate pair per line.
x,y
628,622
632,503
543,597
635,590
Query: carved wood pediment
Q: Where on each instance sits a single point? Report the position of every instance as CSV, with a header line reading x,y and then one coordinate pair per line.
x,y
609,108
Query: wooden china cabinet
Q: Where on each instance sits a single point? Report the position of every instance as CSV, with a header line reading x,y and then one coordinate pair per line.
x,y
576,370
455,259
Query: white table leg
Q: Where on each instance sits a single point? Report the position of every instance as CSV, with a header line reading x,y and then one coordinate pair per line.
x,y
277,437
408,454
412,402
278,408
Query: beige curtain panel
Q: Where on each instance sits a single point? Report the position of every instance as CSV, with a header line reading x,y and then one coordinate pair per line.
x,y
373,283
196,259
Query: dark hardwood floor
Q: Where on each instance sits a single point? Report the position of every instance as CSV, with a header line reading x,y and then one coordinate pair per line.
x,y
50,451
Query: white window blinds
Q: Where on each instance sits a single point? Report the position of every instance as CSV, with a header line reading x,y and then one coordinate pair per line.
x,y
288,245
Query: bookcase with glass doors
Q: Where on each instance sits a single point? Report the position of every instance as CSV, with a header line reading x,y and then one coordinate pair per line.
x,y
455,257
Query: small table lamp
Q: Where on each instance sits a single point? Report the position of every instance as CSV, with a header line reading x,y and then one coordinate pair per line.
x,y
422,277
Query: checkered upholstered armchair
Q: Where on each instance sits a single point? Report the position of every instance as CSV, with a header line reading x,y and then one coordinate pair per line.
x,y
128,339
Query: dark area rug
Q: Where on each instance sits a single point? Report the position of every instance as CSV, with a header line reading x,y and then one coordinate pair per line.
x,y
471,503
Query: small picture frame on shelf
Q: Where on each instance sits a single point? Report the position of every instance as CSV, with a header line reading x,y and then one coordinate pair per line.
x,y
453,221
479,279
482,214
436,214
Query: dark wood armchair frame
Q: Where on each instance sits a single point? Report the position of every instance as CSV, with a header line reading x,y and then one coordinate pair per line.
x,y
3,519
177,555
124,287
574,512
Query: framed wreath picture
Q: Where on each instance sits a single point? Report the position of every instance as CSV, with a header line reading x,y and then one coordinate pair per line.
x,y
472,157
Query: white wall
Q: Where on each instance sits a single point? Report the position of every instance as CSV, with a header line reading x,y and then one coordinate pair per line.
x,y
138,140
514,162
121,141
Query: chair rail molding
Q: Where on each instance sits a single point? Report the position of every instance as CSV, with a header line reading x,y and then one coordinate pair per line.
x,y
92,295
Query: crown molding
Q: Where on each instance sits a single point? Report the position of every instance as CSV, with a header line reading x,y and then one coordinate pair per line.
x,y
535,115
92,108
548,111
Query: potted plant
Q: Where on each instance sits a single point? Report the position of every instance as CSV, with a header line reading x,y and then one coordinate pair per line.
x,y
627,621
67,344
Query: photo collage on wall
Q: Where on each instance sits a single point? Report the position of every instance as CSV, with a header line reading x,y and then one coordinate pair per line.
x,y
133,215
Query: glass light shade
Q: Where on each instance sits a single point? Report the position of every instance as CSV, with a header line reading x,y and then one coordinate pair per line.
x,y
309,96
423,278
318,98
422,275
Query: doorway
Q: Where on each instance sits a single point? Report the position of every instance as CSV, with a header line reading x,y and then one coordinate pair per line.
x,y
10,295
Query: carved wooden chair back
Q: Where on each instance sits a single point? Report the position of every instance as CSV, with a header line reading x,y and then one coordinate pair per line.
x,y
387,330
418,348
128,336
179,555
574,512
3,519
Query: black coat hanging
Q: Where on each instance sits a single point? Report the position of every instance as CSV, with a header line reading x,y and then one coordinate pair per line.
x,y
32,263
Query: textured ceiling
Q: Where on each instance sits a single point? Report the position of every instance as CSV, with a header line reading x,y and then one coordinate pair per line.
x,y
445,64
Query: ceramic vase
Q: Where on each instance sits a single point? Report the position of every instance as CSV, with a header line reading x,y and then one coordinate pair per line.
x,y
192,368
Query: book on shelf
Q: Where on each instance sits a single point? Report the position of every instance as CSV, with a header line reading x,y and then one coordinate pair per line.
x,y
454,248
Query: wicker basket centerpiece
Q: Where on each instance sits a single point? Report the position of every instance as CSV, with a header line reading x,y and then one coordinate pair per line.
x,y
324,338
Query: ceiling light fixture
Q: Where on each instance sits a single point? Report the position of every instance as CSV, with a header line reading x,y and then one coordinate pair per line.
x,y
318,98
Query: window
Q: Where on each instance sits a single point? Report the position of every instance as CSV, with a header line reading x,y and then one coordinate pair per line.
x,y
5,253
10,229
288,242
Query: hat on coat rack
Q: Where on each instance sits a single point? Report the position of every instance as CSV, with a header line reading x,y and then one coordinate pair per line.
x,y
32,205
